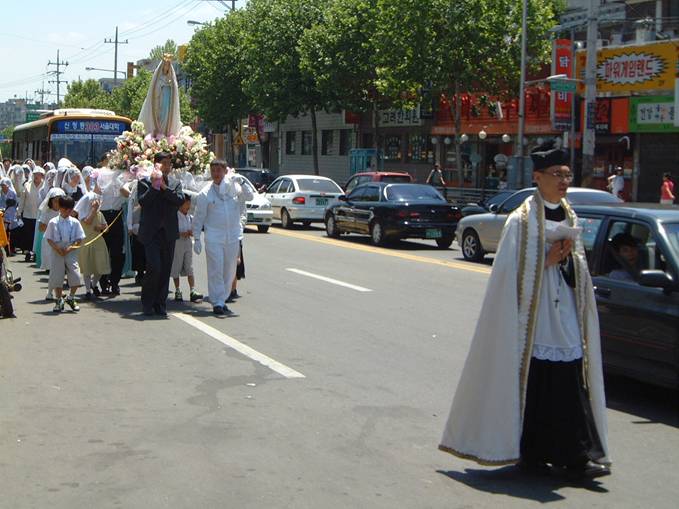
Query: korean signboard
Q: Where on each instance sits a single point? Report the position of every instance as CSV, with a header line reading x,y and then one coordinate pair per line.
x,y
652,114
89,127
626,69
400,118
562,101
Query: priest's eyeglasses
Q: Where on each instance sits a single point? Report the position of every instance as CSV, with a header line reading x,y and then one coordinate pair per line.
x,y
566,176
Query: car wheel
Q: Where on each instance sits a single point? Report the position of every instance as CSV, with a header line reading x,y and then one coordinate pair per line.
x,y
444,242
471,246
331,229
262,228
377,235
306,224
286,221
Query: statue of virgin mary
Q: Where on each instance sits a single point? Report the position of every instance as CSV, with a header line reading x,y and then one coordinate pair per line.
x,y
160,111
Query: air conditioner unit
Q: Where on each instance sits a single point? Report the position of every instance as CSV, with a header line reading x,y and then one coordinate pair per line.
x,y
616,39
600,43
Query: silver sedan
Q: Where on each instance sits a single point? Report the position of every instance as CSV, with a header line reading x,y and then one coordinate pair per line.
x,y
479,234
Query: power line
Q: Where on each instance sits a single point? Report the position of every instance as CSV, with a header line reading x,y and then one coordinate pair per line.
x,y
157,18
115,57
42,93
59,64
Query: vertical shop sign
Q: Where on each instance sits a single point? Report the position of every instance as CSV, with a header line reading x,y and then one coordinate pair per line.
x,y
562,63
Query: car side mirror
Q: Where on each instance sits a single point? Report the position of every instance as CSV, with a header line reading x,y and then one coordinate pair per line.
x,y
342,197
494,207
656,279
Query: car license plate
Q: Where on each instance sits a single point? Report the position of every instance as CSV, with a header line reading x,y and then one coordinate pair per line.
x,y
433,234
321,201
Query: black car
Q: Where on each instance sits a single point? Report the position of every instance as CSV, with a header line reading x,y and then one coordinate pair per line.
x,y
633,255
394,211
260,177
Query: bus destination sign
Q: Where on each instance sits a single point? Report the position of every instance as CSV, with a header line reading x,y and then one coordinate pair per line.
x,y
89,127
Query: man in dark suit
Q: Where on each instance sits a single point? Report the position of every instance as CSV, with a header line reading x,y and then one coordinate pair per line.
x,y
158,231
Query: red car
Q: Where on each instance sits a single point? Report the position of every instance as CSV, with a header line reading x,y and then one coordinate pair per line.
x,y
390,177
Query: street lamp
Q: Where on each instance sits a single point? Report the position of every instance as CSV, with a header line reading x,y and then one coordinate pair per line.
x,y
106,70
194,22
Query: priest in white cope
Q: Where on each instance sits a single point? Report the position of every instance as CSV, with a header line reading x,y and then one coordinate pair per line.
x,y
218,213
531,392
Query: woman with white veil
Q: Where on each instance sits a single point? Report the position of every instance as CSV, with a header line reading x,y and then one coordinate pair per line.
x,y
8,203
73,184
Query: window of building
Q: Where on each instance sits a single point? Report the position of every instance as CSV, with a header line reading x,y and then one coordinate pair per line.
x,y
290,142
420,149
392,148
346,141
307,142
327,142
367,140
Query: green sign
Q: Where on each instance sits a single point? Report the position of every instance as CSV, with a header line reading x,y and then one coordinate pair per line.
x,y
32,115
562,85
652,114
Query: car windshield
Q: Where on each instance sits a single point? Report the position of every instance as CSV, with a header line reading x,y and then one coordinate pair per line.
x,y
395,179
318,185
672,230
592,198
412,192
496,199
249,185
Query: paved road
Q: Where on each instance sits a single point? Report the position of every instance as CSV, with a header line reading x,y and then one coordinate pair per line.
x,y
106,409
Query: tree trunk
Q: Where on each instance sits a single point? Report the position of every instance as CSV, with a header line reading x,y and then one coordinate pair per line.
x,y
458,128
228,149
314,140
377,142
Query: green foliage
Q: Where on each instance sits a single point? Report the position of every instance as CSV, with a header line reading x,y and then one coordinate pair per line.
x,y
87,94
275,81
169,47
213,61
7,132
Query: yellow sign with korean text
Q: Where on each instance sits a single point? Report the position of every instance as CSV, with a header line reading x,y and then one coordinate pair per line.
x,y
626,69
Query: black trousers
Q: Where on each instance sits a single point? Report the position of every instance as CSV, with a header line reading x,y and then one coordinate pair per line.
x,y
159,252
138,256
115,242
558,424
25,239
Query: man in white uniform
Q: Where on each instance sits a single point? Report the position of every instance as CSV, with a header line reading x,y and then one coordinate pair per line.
x,y
218,213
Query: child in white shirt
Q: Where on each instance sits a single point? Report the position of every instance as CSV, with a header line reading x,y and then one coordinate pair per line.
x,y
182,262
64,234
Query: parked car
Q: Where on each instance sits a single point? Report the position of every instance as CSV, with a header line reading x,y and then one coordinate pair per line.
x,y
259,177
259,212
377,176
638,302
484,205
480,234
394,211
302,198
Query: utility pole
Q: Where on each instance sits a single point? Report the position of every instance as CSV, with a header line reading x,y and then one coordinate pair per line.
x,y
59,64
522,98
115,57
42,93
589,134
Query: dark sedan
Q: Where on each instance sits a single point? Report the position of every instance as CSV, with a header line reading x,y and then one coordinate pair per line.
x,y
633,255
484,205
394,211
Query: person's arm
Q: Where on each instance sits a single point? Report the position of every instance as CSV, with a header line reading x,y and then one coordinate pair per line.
x,y
22,201
428,181
245,192
199,216
443,181
174,196
55,247
146,193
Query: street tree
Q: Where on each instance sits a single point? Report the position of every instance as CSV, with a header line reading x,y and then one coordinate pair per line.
x,y
457,47
275,81
158,51
340,54
214,64
86,94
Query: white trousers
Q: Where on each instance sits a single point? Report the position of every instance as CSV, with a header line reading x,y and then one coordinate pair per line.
x,y
222,260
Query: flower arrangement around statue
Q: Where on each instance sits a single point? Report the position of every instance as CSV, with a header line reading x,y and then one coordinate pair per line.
x,y
188,149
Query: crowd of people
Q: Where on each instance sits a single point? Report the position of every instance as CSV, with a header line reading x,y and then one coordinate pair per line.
x,y
91,227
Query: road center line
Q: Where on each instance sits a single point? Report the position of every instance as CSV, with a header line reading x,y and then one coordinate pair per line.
x,y
480,269
330,280
241,348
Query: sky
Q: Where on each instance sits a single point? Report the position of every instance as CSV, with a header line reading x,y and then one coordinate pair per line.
x,y
31,36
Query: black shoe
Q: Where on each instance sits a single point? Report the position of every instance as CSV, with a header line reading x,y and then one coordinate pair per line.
x,y
105,290
27,257
589,470
115,290
218,310
138,279
95,291
234,295
227,311
159,311
533,467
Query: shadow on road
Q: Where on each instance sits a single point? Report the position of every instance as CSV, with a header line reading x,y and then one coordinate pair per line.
x,y
512,482
653,404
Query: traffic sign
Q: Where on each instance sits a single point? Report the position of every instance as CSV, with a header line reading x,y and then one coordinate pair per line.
x,y
562,85
32,115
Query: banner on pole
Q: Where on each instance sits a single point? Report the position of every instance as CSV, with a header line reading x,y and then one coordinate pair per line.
x,y
562,100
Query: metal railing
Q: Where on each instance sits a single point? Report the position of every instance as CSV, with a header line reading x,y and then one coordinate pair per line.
x,y
465,195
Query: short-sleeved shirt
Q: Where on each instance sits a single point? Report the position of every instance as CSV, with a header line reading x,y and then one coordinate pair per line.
x,y
64,231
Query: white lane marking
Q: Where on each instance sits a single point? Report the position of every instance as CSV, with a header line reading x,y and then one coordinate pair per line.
x,y
330,280
251,353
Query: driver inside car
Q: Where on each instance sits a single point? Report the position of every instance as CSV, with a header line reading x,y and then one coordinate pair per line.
x,y
626,251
